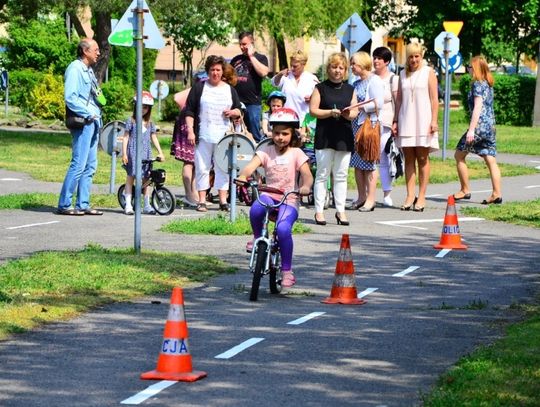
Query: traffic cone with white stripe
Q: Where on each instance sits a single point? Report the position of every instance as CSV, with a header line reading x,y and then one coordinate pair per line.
x,y
450,236
344,286
174,361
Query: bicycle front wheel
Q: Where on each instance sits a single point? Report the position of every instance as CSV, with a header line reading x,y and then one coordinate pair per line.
x,y
122,198
163,201
260,264
275,272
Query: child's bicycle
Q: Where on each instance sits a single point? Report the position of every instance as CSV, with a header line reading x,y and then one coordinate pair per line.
x,y
162,199
265,255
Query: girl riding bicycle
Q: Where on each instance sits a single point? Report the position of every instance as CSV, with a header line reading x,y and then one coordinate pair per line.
x,y
128,151
283,161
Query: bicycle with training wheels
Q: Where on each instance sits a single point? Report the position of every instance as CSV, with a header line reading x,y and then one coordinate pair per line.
x,y
162,199
265,256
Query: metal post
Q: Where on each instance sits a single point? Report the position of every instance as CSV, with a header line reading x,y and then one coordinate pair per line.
x,y
233,148
173,65
447,90
7,96
138,156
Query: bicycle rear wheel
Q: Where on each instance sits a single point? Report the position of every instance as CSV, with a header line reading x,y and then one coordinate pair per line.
x,y
275,272
122,198
163,201
260,263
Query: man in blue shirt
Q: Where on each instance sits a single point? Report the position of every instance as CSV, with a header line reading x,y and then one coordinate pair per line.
x,y
80,92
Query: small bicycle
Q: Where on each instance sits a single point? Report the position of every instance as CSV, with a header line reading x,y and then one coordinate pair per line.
x,y
162,199
265,255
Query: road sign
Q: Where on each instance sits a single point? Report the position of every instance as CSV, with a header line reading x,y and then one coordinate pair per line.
x,y
159,90
453,26
452,46
4,80
453,63
353,33
124,32
111,137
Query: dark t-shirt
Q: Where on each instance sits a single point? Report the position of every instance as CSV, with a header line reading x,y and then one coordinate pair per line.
x,y
249,82
331,132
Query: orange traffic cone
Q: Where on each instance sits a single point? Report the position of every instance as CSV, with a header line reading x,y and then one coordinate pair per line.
x,y
450,237
174,361
344,287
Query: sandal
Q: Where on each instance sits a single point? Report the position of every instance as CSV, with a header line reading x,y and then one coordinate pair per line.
x,y
69,212
201,207
288,279
224,207
90,211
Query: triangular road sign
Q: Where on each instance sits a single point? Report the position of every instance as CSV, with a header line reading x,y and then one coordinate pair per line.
x,y
453,26
124,32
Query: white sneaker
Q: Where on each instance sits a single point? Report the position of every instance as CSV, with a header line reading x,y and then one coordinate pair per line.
x,y
148,210
128,210
387,201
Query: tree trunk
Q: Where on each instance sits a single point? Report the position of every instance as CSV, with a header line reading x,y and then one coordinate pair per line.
x,y
77,25
282,53
102,30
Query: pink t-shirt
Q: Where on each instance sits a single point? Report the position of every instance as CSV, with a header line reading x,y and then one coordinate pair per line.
x,y
281,170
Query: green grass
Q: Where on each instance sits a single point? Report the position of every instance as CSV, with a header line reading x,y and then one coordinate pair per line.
x,y
51,286
219,225
41,199
519,213
506,373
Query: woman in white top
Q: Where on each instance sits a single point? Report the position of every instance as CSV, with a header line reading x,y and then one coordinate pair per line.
x,y
296,84
381,59
415,123
209,109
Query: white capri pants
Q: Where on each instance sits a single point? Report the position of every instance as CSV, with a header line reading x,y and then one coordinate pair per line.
x,y
384,164
204,154
330,161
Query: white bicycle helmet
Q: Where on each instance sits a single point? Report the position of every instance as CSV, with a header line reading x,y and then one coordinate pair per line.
x,y
285,116
147,98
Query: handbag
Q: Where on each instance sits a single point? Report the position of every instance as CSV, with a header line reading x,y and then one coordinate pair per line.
x,y
368,139
73,121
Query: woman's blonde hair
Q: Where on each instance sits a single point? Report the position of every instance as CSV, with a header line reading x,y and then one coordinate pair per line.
x,y
299,56
480,70
362,59
337,58
413,48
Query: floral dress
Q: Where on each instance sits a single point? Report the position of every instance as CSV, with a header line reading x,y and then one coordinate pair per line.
x,y
484,133
361,87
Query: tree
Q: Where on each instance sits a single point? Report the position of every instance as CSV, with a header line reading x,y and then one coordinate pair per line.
x,y
292,18
196,25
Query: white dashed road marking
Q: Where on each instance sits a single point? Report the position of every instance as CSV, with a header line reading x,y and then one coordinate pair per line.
x,y
406,271
306,318
367,291
443,253
32,224
148,392
239,348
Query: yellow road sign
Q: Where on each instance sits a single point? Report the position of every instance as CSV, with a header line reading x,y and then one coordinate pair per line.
x,y
453,26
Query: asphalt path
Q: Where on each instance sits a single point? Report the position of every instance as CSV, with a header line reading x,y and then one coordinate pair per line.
x,y
421,314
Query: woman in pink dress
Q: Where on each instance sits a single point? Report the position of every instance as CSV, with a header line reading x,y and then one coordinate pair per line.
x,y
415,123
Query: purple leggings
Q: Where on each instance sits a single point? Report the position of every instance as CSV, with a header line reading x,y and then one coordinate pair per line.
x,y
286,217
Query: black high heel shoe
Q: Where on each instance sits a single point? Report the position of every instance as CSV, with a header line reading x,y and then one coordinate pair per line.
x,y
340,221
319,222
409,207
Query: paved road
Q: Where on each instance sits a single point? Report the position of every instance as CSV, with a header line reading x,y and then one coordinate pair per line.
x,y
387,352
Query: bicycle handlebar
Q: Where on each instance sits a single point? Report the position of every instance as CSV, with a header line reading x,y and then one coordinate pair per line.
x,y
151,161
265,188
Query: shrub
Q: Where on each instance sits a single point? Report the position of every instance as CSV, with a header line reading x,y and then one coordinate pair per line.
x,y
119,96
39,44
169,109
47,101
267,88
21,85
513,96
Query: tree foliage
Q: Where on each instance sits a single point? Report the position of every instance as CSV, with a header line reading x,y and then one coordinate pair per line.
x,y
499,29
292,18
194,27
39,44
